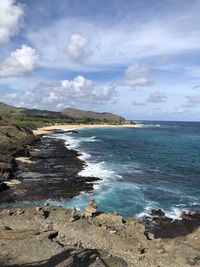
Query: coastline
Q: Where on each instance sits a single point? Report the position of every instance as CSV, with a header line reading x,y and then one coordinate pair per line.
x,y
51,128
150,241
49,171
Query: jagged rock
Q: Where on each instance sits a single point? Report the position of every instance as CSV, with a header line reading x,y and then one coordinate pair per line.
x,y
74,216
20,211
91,208
158,213
10,212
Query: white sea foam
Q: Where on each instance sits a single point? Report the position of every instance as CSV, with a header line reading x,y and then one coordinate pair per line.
x,y
175,213
152,126
92,168
147,210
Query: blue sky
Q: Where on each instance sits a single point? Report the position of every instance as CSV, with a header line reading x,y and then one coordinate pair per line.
x,y
139,59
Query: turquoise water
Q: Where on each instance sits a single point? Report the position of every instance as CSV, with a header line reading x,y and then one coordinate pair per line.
x,y
155,166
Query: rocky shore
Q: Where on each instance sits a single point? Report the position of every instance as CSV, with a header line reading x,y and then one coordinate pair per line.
x,y
14,140
54,236
39,168
45,169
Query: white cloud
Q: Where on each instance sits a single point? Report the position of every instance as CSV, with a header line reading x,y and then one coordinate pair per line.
x,y
115,44
79,48
157,97
136,75
11,15
60,94
20,62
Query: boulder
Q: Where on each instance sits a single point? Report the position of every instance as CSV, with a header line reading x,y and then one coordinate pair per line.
x,y
91,208
157,213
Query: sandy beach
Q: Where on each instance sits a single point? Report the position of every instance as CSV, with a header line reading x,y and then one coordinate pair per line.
x,y
48,129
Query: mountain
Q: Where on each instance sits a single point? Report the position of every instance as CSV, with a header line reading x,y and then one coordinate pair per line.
x,y
10,110
7,109
82,114
43,113
67,113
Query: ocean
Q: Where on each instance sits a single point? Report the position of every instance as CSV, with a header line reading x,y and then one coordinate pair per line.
x,y
153,166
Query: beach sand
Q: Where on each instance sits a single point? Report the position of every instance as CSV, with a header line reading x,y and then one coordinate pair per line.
x,y
48,129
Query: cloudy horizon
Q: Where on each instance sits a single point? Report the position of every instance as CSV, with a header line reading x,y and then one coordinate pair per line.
x,y
138,59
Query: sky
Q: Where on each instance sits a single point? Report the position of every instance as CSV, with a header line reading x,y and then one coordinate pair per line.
x,y
136,58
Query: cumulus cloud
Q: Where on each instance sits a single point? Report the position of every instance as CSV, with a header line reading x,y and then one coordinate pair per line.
x,y
59,94
79,48
137,75
157,97
11,15
19,62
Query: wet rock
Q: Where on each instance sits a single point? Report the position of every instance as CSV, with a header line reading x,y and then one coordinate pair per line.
x,y
52,173
72,131
157,212
164,227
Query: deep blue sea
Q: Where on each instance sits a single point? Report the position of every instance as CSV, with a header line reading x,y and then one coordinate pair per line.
x,y
154,166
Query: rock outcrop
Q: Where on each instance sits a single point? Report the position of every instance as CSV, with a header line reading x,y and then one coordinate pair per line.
x,y
45,236
91,208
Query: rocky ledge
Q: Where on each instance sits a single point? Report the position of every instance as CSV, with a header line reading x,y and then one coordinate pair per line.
x,y
48,171
54,236
14,140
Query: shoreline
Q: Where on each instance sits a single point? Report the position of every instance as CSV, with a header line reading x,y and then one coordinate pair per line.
x,y
39,133
51,128
54,128
50,171
132,241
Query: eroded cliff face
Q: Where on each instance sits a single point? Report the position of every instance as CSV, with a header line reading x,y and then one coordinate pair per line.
x,y
55,236
14,140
